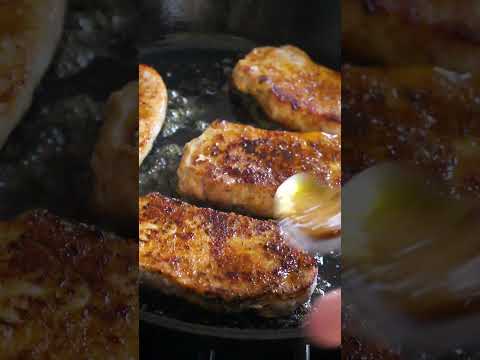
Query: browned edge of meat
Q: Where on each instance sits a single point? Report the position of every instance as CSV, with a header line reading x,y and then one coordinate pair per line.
x,y
240,167
292,90
153,105
221,261
71,289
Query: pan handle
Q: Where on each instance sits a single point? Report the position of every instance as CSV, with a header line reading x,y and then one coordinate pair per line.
x,y
206,355
302,351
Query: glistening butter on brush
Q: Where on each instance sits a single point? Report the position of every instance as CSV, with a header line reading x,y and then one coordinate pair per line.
x,y
309,213
411,257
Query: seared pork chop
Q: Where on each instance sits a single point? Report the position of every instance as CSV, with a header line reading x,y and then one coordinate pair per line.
x,y
114,160
425,115
29,33
221,261
153,106
442,32
292,90
239,166
67,291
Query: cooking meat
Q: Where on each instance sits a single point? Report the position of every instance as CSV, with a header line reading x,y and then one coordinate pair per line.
x,y
66,289
153,105
221,261
292,90
443,33
29,33
239,166
421,114
114,161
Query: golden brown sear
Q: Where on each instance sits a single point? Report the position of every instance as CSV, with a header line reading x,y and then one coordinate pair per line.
x,y
221,261
66,289
29,34
153,106
413,32
425,115
292,90
239,166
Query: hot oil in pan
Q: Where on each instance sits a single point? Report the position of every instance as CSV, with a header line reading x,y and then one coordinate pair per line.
x,y
199,92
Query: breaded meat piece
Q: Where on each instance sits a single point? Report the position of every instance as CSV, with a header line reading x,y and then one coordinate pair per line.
x,y
443,33
153,106
29,34
66,289
239,166
114,161
221,261
292,90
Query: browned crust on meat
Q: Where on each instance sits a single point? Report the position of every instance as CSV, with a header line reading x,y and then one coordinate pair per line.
x,y
234,165
66,261
292,89
153,103
422,115
222,257
401,33
29,34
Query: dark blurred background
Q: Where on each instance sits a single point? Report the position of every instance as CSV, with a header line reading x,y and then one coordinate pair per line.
x,y
312,25
411,97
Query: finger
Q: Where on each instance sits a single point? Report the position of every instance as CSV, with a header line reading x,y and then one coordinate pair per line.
x,y
325,325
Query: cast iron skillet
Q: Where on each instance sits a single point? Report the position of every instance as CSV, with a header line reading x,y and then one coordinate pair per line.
x,y
197,67
197,70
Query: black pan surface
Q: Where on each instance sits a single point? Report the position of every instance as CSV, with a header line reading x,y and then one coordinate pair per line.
x,y
197,70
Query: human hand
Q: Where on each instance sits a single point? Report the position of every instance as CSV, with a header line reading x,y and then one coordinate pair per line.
x,y
325,325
